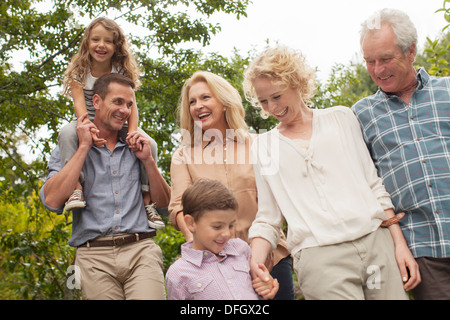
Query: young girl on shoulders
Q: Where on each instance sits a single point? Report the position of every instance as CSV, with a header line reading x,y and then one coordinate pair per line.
x,y
103,49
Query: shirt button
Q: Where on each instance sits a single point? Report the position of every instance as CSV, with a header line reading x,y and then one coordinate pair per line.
x,y
430,185
229,281
114,172
199,285
116,227
117,192
437,211
117,211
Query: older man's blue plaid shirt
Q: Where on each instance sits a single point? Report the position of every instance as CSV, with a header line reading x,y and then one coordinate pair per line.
x,y
410,146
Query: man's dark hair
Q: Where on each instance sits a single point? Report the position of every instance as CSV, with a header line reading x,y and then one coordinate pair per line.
x,y
101,86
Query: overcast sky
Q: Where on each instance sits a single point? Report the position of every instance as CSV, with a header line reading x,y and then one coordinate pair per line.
x,y
326,31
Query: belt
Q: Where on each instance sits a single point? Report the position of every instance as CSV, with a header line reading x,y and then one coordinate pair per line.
x,y
120,241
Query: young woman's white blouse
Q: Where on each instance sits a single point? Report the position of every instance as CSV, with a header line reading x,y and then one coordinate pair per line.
x,y
328,193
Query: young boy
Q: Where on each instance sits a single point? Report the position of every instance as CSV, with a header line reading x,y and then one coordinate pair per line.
x,y
215,265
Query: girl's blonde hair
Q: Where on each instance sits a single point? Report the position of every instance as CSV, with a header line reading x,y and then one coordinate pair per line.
x,y
123,59
282,66
224,92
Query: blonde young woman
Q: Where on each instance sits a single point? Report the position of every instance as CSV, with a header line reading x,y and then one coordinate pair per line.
x,y
103,49
322,181
216,145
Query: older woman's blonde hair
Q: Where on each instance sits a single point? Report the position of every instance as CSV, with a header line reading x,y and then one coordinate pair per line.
x,y
282,66
224,92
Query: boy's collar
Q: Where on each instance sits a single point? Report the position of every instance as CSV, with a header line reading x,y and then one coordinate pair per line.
x,y
197,257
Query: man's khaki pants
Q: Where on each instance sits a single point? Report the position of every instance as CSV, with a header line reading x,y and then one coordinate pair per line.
x,y
132,271
364,268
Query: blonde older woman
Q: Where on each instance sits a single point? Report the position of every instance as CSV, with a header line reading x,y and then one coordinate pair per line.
x,y
322,181
216,145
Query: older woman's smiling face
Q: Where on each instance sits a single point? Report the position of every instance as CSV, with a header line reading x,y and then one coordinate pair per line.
x,y
205,108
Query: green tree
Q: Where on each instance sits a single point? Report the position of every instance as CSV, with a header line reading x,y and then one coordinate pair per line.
x,y
435,56
345,86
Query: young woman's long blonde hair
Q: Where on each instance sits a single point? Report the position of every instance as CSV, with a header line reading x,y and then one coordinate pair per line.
x,y
123,59
224,92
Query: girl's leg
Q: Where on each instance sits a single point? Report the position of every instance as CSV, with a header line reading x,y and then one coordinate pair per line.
x,y
68,145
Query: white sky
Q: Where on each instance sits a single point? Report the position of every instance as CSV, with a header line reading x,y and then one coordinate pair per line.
x,y
326,31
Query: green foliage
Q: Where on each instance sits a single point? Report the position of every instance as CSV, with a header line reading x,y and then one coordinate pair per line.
x,y
437,51
34,251
446,12
435,56
438,64
170,241
346,85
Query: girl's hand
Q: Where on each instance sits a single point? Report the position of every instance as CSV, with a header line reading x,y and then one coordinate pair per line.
x,y
140,145
99,142
265,286
134,143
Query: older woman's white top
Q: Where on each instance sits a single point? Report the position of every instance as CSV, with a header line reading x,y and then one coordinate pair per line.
x,y
328,191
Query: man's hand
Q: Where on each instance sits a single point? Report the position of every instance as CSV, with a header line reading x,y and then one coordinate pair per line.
x,y
84,128
140,145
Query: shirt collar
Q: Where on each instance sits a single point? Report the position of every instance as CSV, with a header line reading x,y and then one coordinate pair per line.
x,y
120,143
197,257
422,78
212,140
230,138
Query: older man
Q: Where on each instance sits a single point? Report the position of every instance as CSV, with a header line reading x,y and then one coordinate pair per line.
x,y
115,251
406,125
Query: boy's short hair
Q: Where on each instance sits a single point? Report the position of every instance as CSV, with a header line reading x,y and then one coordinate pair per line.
x,y
206,195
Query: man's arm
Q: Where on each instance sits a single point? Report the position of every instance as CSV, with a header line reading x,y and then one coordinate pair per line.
x,y
261,249
408,266
159,189
60,186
